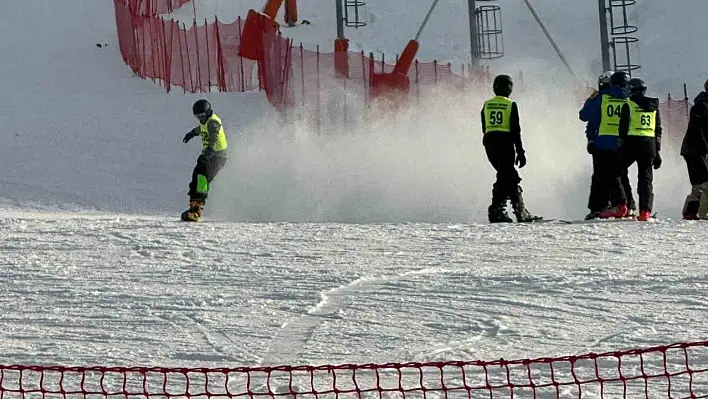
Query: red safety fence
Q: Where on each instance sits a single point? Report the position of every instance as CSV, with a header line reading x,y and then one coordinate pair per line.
x,y
205,58
198,59
673,371
154,7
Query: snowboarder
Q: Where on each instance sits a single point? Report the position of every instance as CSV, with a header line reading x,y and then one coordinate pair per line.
x,y
502,143
210,161
599,200
694,151
602,114
640,141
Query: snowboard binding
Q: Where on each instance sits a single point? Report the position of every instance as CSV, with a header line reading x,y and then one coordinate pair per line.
x,y
194,213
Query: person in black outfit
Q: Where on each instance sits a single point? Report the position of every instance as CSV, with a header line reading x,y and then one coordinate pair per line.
x,y
598,199
640,141
502,143
694,151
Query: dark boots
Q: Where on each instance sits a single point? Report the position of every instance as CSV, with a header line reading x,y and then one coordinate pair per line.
x,y
520,211
497,210
194,213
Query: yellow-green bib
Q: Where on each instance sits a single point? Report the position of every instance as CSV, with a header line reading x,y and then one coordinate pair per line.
x,y
221,142
641,123
497,114
610,120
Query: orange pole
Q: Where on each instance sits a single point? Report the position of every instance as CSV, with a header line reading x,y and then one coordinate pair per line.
x,y
271,8
290,12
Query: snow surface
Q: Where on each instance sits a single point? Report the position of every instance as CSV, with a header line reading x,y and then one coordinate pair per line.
x,y
124,290
96,269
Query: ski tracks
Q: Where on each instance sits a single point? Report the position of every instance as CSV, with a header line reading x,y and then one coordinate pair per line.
x,y
224,349
289,344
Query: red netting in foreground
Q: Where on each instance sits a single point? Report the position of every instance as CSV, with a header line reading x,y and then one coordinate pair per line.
x,y
674,371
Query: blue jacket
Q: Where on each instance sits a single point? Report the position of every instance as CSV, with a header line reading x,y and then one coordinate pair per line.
x,y
592,113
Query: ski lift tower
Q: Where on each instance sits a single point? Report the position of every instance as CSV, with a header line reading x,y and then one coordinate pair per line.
x,y
618,36
348,14
485,30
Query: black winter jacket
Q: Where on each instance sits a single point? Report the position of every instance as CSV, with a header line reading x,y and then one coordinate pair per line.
x,y
695,141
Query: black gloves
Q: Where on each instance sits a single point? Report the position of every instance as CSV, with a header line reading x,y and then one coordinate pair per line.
x,y
657,161
589,147
520,158
192,134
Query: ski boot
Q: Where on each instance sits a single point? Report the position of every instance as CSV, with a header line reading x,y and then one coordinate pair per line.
x,y
497,214
692,203
644,216
194,213
616,212
517,203
592,215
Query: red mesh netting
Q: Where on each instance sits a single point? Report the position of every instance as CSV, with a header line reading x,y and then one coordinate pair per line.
x,y
674,371
153,7
205,58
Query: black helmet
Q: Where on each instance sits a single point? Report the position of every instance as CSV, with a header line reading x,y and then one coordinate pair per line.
x,y
202,109
503,85
619,79
705,86
637,86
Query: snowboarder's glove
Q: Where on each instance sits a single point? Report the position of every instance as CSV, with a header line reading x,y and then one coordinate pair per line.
x,y
657,161
590,147
521,159
192,134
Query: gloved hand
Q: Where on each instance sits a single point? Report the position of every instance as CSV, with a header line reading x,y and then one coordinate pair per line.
x,y
192,134
590,147
521,159
657,161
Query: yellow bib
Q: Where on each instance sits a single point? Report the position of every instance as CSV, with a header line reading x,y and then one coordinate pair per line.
x,y
221,142
641,123
497,114
610,120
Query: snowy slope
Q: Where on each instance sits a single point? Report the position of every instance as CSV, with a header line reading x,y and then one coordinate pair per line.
x,y
81,132
105,288
164,293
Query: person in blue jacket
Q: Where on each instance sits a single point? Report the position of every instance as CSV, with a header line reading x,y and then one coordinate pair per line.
x,y
602,114
597,200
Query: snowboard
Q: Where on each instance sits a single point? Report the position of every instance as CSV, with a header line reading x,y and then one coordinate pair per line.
x,y
531,222
538,221
610,220
186,216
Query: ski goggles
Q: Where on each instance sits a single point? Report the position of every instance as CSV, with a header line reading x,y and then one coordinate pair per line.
x,y
201,116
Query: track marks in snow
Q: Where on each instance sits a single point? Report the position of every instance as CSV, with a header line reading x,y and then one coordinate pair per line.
x,y
122,290
293,337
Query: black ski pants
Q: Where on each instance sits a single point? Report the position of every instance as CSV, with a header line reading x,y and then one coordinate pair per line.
x,y
609,169
207,167
599,198
697,166
644,157
502,156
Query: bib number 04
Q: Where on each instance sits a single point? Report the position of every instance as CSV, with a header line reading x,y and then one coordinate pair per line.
x,y
615,110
